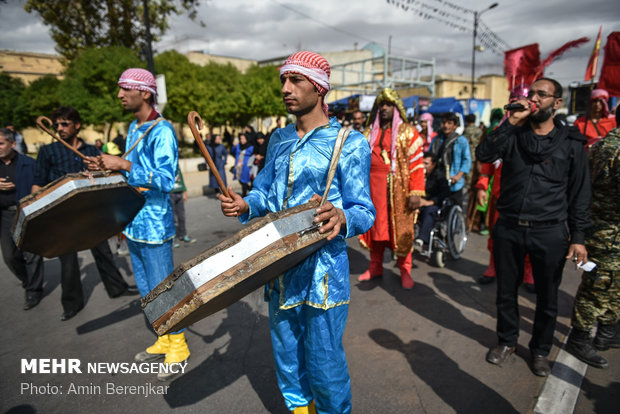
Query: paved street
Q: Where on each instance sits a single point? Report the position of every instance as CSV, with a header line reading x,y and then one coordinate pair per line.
x,y
419,351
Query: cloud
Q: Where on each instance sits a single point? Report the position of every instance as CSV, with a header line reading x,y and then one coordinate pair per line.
x,y
269,28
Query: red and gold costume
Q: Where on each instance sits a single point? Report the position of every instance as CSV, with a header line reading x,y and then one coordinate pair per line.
x,y
396,173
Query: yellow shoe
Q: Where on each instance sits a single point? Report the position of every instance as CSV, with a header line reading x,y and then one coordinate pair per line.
x,y
156,351
308,409
178,353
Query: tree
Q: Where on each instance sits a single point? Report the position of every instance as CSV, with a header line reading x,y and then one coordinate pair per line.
x,y
80,24
264,92
39,98
90,84
185,88
11,90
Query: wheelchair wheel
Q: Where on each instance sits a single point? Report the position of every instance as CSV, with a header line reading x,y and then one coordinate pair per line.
x,y
439,259
457,232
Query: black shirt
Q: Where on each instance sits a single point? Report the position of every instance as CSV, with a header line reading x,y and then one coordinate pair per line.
x,y
437,187
544,178
55,160
9,172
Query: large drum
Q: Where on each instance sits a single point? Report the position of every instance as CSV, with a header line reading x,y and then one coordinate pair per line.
x,y
237,266
75,212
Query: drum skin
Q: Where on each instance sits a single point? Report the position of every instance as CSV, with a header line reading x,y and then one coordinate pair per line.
x,y
75,212
237,266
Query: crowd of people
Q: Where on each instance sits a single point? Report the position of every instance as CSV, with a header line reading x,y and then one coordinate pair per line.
x,y
531,177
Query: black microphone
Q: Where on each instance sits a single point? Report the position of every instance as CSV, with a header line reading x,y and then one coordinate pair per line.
x,y
515,106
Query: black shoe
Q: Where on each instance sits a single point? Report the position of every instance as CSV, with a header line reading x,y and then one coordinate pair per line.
x,y
32,301
579,345
130,291
70,313
606,337
499,354
541,365
485,280
530,287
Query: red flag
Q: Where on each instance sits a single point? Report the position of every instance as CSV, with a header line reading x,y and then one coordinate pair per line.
x,y
593,62
610,72
521,65
558,52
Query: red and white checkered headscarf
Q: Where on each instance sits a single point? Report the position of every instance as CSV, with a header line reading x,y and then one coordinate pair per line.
x,y
314,67
603,95
140,79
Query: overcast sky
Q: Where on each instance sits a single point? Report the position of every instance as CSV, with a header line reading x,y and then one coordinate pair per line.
x,y
261,29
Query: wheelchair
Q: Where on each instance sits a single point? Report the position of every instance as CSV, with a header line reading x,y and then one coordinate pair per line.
x,y
449,235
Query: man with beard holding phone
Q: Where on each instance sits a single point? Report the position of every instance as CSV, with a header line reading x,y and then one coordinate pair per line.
x,y
544,211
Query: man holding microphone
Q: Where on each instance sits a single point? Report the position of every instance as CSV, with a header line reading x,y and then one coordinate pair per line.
x,y
544,209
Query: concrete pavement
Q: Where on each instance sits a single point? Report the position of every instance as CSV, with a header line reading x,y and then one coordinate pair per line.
x,y
418,351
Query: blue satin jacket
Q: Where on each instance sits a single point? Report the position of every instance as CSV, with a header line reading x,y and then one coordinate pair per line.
x,y
153,168
295,170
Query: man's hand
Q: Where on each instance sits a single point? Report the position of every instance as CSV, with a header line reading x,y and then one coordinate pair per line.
x,y
518,117
425,203
6,185
113,163
92,163
333,218
413,202
577,253
185,197
481,197
234,205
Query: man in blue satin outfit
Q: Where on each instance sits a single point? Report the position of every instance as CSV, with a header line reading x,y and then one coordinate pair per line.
x,y
151,166
308,304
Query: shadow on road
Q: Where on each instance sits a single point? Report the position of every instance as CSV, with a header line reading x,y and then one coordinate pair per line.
x,y
126,311
246,353
458,389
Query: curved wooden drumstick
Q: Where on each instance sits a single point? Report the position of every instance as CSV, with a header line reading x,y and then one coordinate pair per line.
x,y
46,128
191,120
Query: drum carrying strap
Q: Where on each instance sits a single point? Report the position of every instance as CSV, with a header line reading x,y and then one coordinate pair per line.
x,y
343,134
142,137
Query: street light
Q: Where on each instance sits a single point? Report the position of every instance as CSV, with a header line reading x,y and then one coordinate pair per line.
x,y
473,48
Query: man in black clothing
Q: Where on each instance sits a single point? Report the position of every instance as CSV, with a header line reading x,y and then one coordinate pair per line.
x,y
437,190
55,161
17,172
543,212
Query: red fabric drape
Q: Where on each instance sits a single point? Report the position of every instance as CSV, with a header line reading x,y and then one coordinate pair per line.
x,y
610,72
521,65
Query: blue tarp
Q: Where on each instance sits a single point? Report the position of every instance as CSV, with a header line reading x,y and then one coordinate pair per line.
x,y
341,103
441,105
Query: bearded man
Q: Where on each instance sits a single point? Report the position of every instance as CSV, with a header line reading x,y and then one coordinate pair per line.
x,y
396,185
543,211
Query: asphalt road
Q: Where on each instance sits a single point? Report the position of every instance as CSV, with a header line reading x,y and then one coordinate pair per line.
x,y
418,351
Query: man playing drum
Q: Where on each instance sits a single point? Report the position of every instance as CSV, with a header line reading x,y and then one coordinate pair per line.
x,y
152,167
308,304
54,161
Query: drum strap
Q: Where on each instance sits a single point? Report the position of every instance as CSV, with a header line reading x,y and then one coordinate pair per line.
x,y
343,134
143,136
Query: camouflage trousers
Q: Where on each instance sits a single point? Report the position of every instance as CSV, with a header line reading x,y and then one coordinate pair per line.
x,y
597,300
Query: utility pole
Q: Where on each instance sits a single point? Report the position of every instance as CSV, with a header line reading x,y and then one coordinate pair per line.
x,y
473,47
149,48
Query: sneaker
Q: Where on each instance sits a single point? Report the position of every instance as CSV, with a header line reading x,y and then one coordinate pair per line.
x,y
188,239
418,243
176,245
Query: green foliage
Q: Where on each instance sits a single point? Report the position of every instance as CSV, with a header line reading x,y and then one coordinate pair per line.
x,y
11,90
90,83
219,93
39,98
264,92
80,24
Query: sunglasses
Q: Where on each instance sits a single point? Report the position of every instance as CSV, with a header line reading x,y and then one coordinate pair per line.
x,y
63,124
